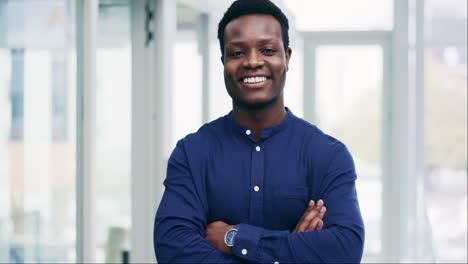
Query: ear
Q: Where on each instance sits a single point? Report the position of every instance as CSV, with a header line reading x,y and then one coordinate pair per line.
x,y
288,57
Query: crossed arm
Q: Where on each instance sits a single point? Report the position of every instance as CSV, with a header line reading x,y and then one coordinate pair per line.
x,y
311,220
182,233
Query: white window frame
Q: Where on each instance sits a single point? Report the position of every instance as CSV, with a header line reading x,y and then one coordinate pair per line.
x,y
383,39
86,36
402,125
151,118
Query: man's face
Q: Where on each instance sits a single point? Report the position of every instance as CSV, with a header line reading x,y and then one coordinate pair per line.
x,y
255,62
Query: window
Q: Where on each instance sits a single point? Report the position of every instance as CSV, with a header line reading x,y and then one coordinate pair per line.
x,y
37,124
187,74
445,177
349,107
113,131
337,15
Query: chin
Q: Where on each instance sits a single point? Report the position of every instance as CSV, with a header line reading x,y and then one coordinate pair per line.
x,y
255,104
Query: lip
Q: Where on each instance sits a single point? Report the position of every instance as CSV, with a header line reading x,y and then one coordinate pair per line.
x,y
255,85
254,75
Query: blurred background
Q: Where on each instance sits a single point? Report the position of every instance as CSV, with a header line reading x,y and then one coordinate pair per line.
x,y
387,77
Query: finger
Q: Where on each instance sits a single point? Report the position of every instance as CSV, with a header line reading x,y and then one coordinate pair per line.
x,y
323,210
314,223
310,206
309,215
314,212
308,209
306,217
300,225
320,203
320,225
308,223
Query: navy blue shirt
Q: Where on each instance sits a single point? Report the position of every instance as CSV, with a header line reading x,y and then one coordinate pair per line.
x,y
220,173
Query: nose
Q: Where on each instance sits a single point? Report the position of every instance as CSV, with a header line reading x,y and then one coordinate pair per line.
x,y
253,60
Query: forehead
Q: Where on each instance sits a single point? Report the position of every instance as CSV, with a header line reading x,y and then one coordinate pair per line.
x,y
252,26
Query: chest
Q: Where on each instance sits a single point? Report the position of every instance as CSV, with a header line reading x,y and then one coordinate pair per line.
x,y
267,188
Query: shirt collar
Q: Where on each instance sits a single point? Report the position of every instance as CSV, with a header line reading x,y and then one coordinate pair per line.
x,y
266,132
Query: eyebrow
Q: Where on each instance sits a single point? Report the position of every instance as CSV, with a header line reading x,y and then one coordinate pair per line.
x,y
239,43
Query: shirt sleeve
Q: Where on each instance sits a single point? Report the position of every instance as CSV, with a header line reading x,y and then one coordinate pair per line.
x,y
179,230
340,241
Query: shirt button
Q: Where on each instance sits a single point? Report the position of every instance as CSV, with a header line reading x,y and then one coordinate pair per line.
x,y
256,188
244,251
257,148
248,132
276,262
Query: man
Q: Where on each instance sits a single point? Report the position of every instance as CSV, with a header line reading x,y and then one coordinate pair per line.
x,y
242,188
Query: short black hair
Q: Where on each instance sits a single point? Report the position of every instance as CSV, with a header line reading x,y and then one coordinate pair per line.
x,y
250,7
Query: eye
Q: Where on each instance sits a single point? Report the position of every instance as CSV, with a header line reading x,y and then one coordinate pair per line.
x,y
235,54
268,52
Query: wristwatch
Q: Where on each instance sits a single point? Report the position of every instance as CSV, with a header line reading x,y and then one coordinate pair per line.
x,y
229,237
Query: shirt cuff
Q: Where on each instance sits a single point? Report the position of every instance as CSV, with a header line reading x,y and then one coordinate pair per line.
x,y
246,242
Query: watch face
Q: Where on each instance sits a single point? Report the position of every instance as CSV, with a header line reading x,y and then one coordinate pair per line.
x,y
229,237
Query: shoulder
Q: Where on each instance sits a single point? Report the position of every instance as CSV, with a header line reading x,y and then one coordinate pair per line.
x,y
206,133
328,156
323,151
204,138
315,138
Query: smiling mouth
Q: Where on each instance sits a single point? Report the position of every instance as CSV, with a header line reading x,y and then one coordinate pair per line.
x,y
254,79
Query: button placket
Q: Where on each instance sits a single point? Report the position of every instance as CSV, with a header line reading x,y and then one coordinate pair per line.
x,y
256,183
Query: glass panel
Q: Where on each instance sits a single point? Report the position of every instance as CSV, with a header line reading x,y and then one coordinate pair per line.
x,y
446,22
187,75
349,108
37,131
336,15
220,102
294,86
113,139
445,171
445,177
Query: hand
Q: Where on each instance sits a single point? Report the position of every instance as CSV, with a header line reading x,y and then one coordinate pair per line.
x,y
215,235
312,218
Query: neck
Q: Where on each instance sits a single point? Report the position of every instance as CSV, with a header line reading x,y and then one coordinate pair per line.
x,y
260,118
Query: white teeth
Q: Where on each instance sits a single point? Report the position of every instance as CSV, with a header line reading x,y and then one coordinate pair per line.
x,y
255,79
